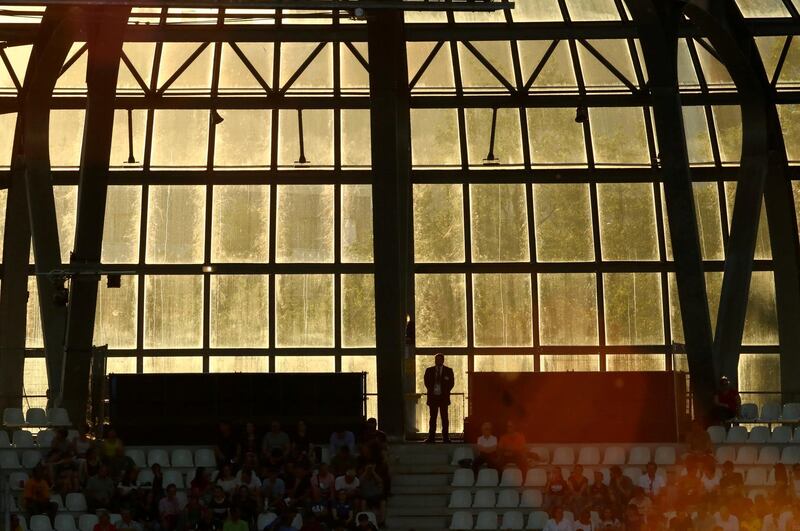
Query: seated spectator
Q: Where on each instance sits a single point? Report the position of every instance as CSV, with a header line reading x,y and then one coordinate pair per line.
x,y
372,433
642,503
709,477
634,521
285,522
127,523
650,481
111,444
343,461
227,480
119,464
556,490
248,479
341,438
302,448
104,523
100,490
700,449
608,522
227,448
311,522
192,514
730,479
273,489
169,508
373,497
249,441
725,520
83,442
14,523
275,439
512,448
234,522
364,524
727,402
322,484
584,522
578,490
620,488
342,510
36,495
599,496
126,489
89,466
485,449
201,484
348,483
247,503
219,506
557,522
681,522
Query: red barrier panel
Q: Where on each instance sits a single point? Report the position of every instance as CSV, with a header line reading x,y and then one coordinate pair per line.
x,y
591,407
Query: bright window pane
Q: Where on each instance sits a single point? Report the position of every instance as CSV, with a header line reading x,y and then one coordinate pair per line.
x,y
234,75
126,365
317,138
356,146
502,310
698,141
568,309
356,223
633,309
66,200
172,364
441,319
434,137
760,373
305,223
319,72
595,74
121,149
627,221
555,139
173,311
180,138
763,248
635,362
34,380
761,321
358,311
363,364
304,310
122,225
618,136
243,138
33,318
516,363
240,224
728,123
438,223
563,218
238,364
176,224
66,138
507,149
570,363
115,318
239,311
304,364
499,215
196,76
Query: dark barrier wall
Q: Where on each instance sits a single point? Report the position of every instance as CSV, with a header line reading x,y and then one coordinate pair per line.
x,y
186,408
577,407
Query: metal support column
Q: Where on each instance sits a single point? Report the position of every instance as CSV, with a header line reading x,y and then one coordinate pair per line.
x,y
391,200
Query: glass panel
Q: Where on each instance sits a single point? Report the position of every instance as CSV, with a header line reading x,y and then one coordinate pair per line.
x,y
434,137
125,365
304,311
238,364
555,138
569,362
633,309
173,311
242,139
568,309
239,311
499,216
33,318
317,74
180,138
619,136
713,288
7,128
121,147
474,75
317,138
34,380
304,364
592,10
3,199
439,73
305,223
176,224
698,141
234,74
66,200
353,74
516,363
66,138
596,74
541,11
441,313
716,74
141,55
172,364
761,322
557,72
760,373
122,225
358,311
635,362
363,364
706,202
196,76
563,219
502,310
240,224
356,146
762,8
507,148
115,317
438,223
627,221
728,124
356,223
790,125
763,249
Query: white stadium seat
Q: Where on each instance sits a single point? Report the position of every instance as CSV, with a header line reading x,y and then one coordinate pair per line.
x,y
65,522
463,477
16,480
540,454
725,453
768,455
770,412
665,455
755,477
158,456
536,477
23,523
717,434
736,435
512,477
462,521
461,453
614,455
512,520
508,499
5,442
749,412
145,477
205,457
182,458
537,520
790,455
758,435
40,522
31,458
486,521
796,437
487,477
569,516
173,477
86,522
58,500
58,416
115,518
45,438
75,502
459,499
781,435
9,460
23,439
13,418
137,456
484,498
791,412
633,472
36,416
563,455
265,519
589,455
746,455
640,455
531,498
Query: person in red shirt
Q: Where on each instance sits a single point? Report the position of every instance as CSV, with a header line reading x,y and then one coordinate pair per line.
x,y
512,448
727,402
104,523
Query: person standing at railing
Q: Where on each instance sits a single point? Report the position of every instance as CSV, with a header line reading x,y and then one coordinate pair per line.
x,y
439,381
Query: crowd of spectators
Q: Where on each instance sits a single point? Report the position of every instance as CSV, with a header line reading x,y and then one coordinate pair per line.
x,y
255,474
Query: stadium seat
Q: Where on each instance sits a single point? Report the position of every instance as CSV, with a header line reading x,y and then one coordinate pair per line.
x,y
512,520
115,518
23,439
569,516
770,412
11,503
748,412
174,477
58,416
487,477
5,442
633,472
717,434
640,455
183,499
614,455
462,521
459,499
36,416
265,519
463,477
44,439
540,454
665,455
182,458
512,477
86,522
31,458
58,500
75,502
536,477
145,477
589,455
758,435
790,455
725,453
531,498
563,455
40,522
796,437
65,522
537,520
747,455
755,477
159,456
768,455
13,418
137,456
461,453
205,457
781,435
508,499
791,412
484,498
486,521
16,480
9,460
736,435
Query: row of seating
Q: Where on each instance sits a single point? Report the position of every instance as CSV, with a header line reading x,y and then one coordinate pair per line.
x,y
505,499
756,435
22,439
178,458
536,477
590,455
754,455
35,417
488,520
770,412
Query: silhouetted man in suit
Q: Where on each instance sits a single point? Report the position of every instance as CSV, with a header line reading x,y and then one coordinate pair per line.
x,y
439,381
